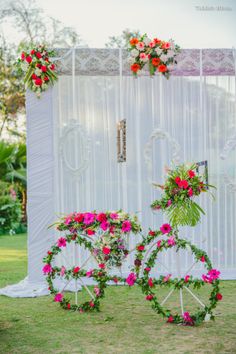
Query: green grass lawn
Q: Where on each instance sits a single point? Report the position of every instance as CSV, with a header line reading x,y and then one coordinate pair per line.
x,y
126,323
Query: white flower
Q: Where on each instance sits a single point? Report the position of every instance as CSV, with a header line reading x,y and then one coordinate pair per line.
x,y
158,51
146,40
38,72
170,54
24,66
207,317
163,58
134,52
131,60
172,44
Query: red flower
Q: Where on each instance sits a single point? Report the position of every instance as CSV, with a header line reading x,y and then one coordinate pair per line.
x,y
202,259
150,282
135,67
183,184
46,78
52,67
162,68
74,237
29,59
76,270
149,297
147,269
22,56
38,55
101,217
49,253
134,41
38,82
140,248
90,232
32,52
34,77
219,296
170,319
38,65
152,233
91,304
177,180
191,173
106,250
68,306
115,280
156,61
101,265
79,218
156,41
44,68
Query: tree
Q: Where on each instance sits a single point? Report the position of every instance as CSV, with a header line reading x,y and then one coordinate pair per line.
x,y
122,41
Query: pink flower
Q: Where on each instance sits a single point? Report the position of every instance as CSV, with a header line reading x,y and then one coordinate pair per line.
x,y
171,241
159,243
190,192
76,270
61,242
150,282
214,274
169,202
105,225
47,269
143,57
89,218
147,269
206,279
187,318
130,280
96,290
126,226
58,297
62,272
186,279
166,278
101,265
152,44
89,273
106,250
140,46
114,216
165,228
67,220
166,45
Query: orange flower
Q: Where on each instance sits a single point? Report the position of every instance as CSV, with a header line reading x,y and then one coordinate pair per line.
x,y
135,67
134,41
162,68
156,61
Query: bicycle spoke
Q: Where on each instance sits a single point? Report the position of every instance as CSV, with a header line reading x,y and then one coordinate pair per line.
x,y
87,289
181,301
195,297
167,297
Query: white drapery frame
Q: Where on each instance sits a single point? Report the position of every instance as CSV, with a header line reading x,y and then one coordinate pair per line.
x,y
72,156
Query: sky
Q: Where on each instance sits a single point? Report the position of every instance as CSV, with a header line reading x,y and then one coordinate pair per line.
x,y
191,23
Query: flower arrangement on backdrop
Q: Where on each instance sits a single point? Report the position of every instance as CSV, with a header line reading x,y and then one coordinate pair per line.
x,y
182,185
158,55
38,69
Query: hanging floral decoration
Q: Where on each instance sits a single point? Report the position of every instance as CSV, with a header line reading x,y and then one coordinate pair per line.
x,y
38,68
158,55
149,284
182,185
109,249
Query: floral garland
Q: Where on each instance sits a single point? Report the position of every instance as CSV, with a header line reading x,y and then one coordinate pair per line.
x,y
182,185
148,284
108,250
160,56
38,69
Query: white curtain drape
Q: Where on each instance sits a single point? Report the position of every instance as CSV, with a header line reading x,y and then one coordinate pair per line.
x,y
198,113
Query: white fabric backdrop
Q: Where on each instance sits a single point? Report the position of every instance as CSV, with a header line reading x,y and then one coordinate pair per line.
x,y
199,113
